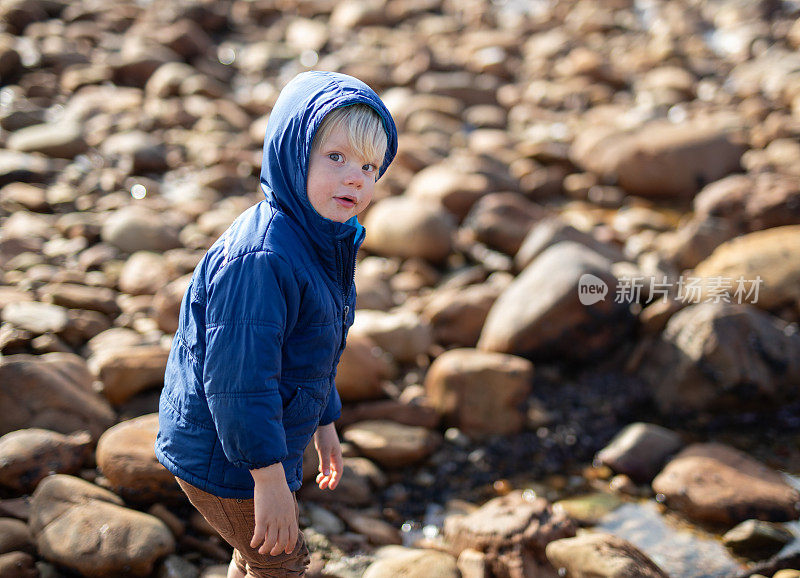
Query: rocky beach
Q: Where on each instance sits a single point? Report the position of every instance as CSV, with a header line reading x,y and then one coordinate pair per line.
x,y
576,348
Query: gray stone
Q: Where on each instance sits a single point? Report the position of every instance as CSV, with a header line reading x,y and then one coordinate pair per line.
x,y
61,140
639,450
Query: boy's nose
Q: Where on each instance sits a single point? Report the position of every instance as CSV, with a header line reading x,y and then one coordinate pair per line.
x,y
354,177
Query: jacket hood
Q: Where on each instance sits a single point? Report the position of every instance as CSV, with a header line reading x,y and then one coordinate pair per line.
x,y
293,122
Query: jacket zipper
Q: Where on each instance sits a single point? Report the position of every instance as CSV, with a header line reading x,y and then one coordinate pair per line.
x,y
346,295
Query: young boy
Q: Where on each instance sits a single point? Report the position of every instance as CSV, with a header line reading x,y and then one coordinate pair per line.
x,y
250,378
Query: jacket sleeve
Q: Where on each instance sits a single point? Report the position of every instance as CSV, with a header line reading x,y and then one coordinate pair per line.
x,y
249,310
333,410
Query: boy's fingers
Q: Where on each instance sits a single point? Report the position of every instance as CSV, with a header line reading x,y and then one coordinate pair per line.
x,y
269,543
258,536
325,463
293,531
334,481
280,542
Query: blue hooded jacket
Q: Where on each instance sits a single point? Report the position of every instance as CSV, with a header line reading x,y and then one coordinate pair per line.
x,y
264,320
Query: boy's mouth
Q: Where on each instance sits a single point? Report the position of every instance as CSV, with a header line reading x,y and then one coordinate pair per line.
x,y
346,201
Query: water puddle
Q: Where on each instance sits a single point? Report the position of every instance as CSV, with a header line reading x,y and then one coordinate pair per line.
x,y
679,552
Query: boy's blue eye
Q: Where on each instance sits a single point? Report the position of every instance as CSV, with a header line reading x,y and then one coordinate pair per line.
x,y
369,168
336,157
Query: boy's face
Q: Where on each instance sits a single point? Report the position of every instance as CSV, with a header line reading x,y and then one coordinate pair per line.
x,y
340,183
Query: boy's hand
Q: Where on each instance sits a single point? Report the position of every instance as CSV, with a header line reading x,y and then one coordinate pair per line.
x,y
326,441
276,521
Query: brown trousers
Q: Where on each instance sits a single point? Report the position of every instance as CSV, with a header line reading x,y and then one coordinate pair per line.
x,y
234,519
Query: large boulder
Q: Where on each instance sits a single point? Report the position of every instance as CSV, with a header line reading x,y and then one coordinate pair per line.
x,y
717,483
660,159
601,555
126,458
392,445
29,455
715,355
124,372
480,392
767,262
541,314
513,531
52,391
89,530
409,227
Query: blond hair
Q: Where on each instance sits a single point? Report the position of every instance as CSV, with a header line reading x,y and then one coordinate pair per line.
x,y
364,129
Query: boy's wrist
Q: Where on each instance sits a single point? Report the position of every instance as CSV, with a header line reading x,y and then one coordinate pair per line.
x,y
269,473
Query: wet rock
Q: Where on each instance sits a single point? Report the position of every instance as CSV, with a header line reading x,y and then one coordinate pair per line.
x,y
553,322
660,159
324,521
716,355
133,228
601,555
61,140
757,540
377,531
112,541
391,444
361,370
588,509
457,314
51,391
126,458
771,255
400,332
15,536
502,221
126,372
18,565
480,392
412,563
144,273
640,450
409,227
512,531
29,455
716,483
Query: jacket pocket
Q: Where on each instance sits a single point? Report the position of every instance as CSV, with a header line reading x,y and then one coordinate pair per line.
x,y
301,417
